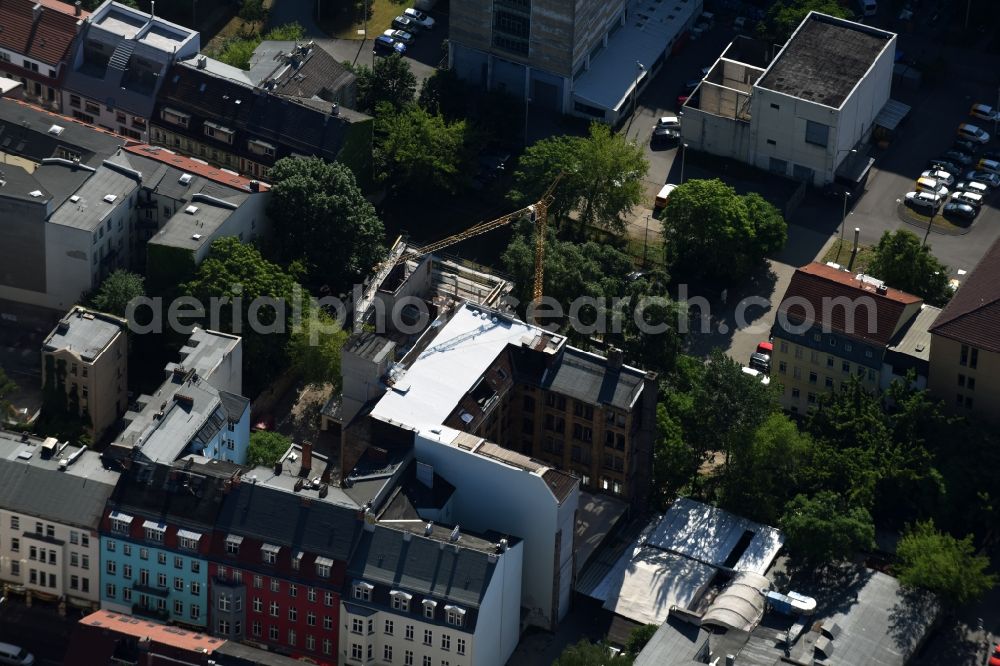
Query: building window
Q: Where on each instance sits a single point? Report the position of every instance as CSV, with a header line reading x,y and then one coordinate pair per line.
x,y
255,628
311,594
328,598
323,567
161,557
327,622
258,605
772,142
274,609
363,591
223,626
387,653
195,589
388,628
460,646
429,606
311,619
233,544
845,367
777,166
409,632
455,616
272,632
225,603
971,384
110,591
292,638
408,658
356,651
427,660
817,134
269,553
795,393
445,642
178,583
782,367
357,625
428,637
829,382
293,615
275,585
327,646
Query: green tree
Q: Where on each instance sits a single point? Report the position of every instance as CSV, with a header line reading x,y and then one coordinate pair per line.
x,y
675,462
784,16
252,10
239,50
321,217
266,447
943,564
117,290
903,262
714,234
444,93
315,349
234,274
418,150
7,387
586,653
602,177
389,81
823,528
639,637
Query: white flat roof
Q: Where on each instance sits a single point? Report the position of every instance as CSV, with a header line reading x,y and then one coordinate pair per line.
x,y
651,28
426,393
653,582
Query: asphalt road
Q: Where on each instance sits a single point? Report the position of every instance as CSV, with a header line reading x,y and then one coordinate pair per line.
x,y
38,629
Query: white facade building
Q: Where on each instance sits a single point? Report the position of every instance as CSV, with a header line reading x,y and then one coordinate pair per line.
x,y
805,113
427,595
51,499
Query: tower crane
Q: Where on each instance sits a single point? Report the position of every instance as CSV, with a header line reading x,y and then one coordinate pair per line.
x,y
536,212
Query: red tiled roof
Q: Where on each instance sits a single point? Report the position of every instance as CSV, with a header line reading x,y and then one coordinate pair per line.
x,y
48,39
193,166
973,314
819,285
160,633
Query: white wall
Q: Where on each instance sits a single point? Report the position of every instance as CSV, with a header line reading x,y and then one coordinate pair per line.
x,y
247,222
63,569
498,625
490,495
69,264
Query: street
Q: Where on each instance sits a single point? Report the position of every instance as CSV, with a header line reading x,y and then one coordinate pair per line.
x,y
38,629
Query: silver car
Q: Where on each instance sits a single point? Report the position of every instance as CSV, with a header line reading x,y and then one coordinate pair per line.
x,y
924,200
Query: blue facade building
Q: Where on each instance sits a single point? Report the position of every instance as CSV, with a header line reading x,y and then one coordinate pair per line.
x,y
155,538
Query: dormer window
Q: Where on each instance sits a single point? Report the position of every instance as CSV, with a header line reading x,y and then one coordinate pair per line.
x,y
219,132
429,606
269,552
175,117
188,540
154,531
400,601
363,591
259,147
454,615
233,542
120,522
323,567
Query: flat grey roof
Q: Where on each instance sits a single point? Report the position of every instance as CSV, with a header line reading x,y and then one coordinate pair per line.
x,y
16,183
84,333
204,351
92,210
916,339
597,516
587,377
824,59
33,484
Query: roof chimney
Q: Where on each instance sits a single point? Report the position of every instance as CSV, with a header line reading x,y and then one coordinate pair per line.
x,y
77,8
202,62
277,468
428,528
453,537
615,358
37,11
254,186
307,456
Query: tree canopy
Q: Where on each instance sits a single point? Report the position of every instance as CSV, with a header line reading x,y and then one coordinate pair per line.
x,y
903,262
823,527
418,151
266,447
389,81
7,387
117,290
315,350
639,637
944,565
239,50
602,177
586,653
784,16
714,234
320,217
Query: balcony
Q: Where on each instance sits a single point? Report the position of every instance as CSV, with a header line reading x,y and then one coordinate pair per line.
x,y
154,613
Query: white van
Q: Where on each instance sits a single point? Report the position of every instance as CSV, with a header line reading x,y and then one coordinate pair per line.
x,y
663,196
868,7
12,655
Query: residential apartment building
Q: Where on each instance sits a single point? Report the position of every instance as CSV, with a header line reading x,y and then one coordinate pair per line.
x,y
35,46
155,539
833,325
52,495
965,343
118,65
220,114
428,595
86,356
576,57
193,411
805,114
279,552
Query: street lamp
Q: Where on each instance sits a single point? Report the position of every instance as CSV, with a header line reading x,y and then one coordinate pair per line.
x,y
639,69
843,219
527,101
683,153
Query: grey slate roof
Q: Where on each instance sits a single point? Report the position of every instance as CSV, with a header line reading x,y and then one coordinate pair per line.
x,y
16,183
588,378
24,131
420,565
35,486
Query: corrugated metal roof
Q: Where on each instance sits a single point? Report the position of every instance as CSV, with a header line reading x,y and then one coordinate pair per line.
x,y
892,114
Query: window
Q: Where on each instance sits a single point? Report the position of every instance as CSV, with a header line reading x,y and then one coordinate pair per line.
x,y
429,606
829,361
408,658
292,638
74,101
445,642
387,653
327,622
258,605
274,609
110,590
127,549
293,590
311,619
110,546
455,616
121,524
817,133
255,628
218,132
775,106
357,625
778,166
460,646
195,566
387,629
356,652
272,633
829,382
74,582
795,393
797,372
323,567
269,553
961,380
971,385
782,367
223,626
311,643
161,580
258,582
363,591
178,607
772,142
233,544
178,583
293,615
275,585
154,532
196,589
327,646
112,566
126,592
225,603
974,358
428,637
409,632
371,626
328,598
84,559
311,594
178,562
427,660
172,116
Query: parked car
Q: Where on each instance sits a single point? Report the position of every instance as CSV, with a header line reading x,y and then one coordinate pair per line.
x,y
941,164
383,45
399,36
972,133
15,656
991,155
958,156
967,147
995,659
421,19
762,362
670,122
985,177
983,112
972,186
962,210
992,166
931,185
405,24
924,200
971,198
943,177
664,135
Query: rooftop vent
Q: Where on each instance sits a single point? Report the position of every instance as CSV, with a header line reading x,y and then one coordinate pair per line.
x,y
56,130
185,178
195,236
35,193
428,528
453,537
75,198
191,210
110,198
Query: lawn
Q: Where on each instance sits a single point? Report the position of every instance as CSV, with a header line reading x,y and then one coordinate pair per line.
x,y
840,253
345,20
